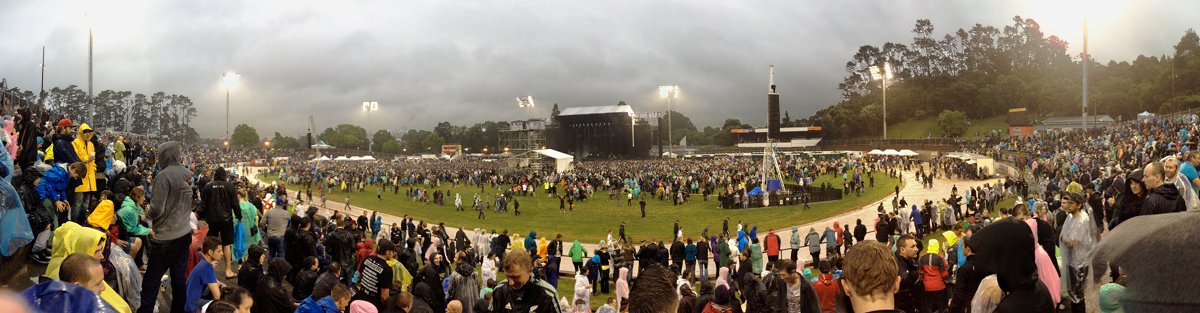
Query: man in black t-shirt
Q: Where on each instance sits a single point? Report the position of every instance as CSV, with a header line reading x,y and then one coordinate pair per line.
x,y
375,276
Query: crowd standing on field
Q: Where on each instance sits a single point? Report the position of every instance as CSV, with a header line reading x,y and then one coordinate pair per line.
x,y
116,218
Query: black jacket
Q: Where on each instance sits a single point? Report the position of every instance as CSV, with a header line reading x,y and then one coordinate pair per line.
x,y
908,298
536,294
776,293
1164,199
966,283
860,232
677,251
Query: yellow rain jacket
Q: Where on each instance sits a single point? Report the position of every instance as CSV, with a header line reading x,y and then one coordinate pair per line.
x,y
87,153
74,238
102,217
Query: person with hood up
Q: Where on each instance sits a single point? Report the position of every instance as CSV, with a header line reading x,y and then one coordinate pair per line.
x,y
756,263
916,220
742,242
85,150
221,210
723,277
723,254
73,238
687,298
622,286
860,231
1128,204
583,286
252,269
464,286
813,241
1183,185
795,243
170,211
577,254
271,297
543,248
934,272
1006,248
78,291
1045,265
531,243
831,244
721,301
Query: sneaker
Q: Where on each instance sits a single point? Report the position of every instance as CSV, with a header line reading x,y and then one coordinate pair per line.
x,y
40,257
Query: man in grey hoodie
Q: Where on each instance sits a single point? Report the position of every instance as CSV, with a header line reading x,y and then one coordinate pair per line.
x,y
169,240
795,242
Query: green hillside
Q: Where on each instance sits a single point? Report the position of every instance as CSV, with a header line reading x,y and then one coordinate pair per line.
x,y
922,128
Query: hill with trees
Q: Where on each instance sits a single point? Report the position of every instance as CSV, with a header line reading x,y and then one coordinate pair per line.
x,y
986,70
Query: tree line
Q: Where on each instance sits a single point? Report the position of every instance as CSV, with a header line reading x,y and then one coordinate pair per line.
x,y
986,70
158,113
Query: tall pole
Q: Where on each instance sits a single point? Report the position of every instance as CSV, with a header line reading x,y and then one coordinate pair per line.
x,y
370,143
1085,74
670,138
42,88
227,111
885,83
91,104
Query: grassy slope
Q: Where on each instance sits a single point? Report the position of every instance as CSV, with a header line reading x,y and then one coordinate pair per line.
x,y
915,129
592,219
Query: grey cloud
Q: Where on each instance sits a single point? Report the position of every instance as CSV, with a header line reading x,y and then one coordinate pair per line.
x,y
466,61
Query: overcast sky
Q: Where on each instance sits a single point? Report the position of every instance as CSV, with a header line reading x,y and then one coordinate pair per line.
x,y
466,61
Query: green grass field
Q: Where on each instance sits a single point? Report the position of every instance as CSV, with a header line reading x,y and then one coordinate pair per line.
x,y
917,129
594,218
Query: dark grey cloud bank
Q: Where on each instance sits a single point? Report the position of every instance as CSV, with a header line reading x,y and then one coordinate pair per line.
x,y
465,61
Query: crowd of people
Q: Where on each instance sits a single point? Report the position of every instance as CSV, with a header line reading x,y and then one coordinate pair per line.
x,y
113,218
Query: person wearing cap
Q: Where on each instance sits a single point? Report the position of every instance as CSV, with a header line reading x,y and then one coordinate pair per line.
x,y
85,151
63,149
1075,243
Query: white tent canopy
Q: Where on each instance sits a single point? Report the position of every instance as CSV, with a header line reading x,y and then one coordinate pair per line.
x,y
562,161
321,158
341,158
875,152
891,152
907,152
321,145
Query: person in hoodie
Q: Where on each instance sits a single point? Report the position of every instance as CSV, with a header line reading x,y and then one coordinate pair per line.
x,y
78,291
813,241
577,254
967,278
623,286
464,286
130,216
531,243
252,269
220,210
73,238
831,244
827,288
169,212
86,152
52,190
756,253
337,299
934,274
1006,248
1163,197
795,243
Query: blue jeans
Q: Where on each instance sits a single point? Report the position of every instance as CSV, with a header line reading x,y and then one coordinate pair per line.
x,y
275,247
170,255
